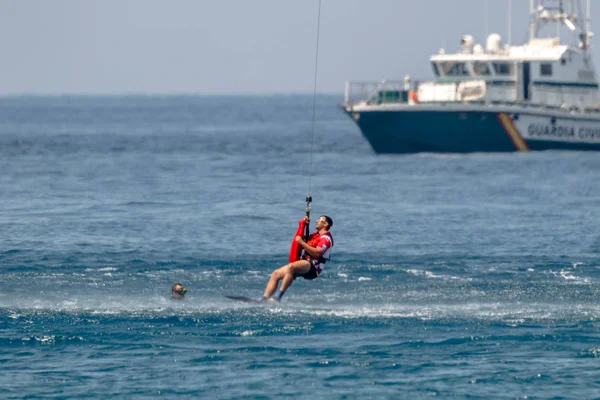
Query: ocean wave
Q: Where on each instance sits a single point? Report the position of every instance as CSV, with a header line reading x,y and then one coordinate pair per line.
x,y
44,340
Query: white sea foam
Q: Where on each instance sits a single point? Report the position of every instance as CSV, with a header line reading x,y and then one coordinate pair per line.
x,y
513,314
569,276
250,333
101,269
415,271
429,274
431,305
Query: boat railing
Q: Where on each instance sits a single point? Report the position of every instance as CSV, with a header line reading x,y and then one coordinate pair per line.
x,y
369,91
475,91
567,98
412,92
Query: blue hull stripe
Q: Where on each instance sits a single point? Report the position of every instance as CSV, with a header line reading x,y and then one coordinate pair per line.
x,y
447,132
567,84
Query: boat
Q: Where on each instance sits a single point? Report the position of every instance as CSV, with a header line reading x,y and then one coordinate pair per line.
x,y
541,95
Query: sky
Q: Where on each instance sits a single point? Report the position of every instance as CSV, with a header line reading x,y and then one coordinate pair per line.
x,y
235,46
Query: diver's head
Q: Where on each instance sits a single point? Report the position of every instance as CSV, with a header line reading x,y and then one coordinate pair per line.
x,y
178,291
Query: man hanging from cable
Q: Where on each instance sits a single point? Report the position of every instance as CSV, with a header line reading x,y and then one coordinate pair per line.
x,y
315,252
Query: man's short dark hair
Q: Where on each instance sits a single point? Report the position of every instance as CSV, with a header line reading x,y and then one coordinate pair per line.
x,y
329,221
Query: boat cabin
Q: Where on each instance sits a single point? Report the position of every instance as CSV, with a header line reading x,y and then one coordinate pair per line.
x,y
542,71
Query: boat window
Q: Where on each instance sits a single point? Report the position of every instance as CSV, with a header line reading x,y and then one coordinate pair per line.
x,y
546,69
436,71
453,68
481,68
503,68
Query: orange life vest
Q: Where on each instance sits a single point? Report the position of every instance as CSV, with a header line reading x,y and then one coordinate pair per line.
x,y
313,241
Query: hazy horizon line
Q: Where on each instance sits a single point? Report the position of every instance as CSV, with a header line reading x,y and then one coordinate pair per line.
x,y
169,94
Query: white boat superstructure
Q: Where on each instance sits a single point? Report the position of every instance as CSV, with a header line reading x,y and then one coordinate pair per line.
x,y
544,74
540,72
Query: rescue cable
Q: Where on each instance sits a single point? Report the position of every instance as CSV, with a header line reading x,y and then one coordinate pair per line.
x,y
314,105
303,227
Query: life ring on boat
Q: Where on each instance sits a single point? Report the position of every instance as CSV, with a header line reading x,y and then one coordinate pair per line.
x,y
412,96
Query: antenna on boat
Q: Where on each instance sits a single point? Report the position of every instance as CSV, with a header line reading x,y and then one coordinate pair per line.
x,y
545,12
533,13
565,18
509,21
587,35
588,12
486,17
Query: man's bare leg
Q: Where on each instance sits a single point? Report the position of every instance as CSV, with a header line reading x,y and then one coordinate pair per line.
x,y
276,276
286,275
296,268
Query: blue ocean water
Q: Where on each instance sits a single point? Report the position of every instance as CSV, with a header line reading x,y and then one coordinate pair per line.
x,y
452,275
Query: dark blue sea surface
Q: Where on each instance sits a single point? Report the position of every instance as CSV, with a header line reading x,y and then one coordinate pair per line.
x,y
452,275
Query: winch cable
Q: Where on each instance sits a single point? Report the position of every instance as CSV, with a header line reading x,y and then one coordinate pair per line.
x,y
312,138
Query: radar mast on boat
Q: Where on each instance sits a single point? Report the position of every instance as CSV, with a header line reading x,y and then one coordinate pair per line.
x,y
545,12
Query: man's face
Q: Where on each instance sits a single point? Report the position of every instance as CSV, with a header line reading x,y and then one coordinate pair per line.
x,y
321,223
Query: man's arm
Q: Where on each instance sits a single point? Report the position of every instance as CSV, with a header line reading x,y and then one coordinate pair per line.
x,y
314,252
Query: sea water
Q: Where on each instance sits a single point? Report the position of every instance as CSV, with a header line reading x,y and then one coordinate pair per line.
x,y
452,275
